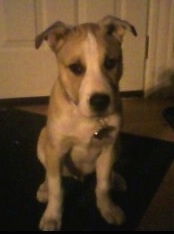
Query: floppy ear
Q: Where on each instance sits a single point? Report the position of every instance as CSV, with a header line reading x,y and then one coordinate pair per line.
x,y
53,35
116,27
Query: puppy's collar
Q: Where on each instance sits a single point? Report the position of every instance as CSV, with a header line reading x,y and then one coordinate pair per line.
x,y
103,131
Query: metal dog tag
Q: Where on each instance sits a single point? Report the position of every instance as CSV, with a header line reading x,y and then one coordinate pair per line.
x,y
103,132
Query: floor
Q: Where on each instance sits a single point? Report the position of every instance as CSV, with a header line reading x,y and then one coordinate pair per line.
x,y
144,117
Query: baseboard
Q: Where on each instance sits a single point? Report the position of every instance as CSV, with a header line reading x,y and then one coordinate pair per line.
x,y
134,93
10,102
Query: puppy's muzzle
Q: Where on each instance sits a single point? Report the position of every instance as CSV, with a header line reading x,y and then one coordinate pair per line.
x,y
99,102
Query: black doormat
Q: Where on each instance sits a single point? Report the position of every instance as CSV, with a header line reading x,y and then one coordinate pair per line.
x,y
143,162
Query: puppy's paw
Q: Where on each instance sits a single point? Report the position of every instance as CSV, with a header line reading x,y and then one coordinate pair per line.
x,y
42,193
112,213
50,222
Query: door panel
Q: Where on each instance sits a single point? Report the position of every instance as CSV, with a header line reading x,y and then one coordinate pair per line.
x,y
26,72
159,80
19,26
94,10
61,10
134,47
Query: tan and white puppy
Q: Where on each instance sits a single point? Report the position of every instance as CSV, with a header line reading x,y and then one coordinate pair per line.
x,y
84,115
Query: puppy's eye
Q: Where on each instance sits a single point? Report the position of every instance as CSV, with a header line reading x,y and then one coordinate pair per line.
x,y
110,63
77,68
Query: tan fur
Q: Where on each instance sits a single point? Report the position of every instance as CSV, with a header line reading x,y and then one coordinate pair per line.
x,y
71,127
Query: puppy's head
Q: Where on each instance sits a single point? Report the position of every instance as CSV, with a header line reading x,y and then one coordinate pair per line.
x,y
89,58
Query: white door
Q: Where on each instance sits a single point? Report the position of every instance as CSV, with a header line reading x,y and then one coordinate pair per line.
x,y
159,78
25,72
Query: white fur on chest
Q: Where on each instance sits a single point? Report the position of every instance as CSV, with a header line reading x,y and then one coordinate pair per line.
x,y
81,129
76,134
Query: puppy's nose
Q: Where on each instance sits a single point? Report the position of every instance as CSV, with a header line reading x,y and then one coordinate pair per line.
x,y
99,102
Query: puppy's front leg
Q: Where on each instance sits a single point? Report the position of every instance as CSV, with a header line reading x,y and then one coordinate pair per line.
x,y
51,219
111,212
